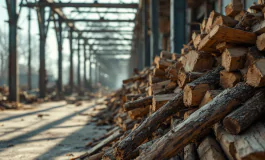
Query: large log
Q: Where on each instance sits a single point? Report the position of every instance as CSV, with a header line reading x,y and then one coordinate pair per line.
x,y
239,120
148,126
139,103
176,139
209,149
194,91
230,35
250,145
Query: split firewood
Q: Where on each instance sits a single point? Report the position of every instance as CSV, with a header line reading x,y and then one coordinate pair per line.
x,y
259,28
209,149
195,91
239,120
248,145
225,21
260,42
229,79
256,74
221,33
139,103
240,15
198,39
162,87
138,112
233,8
261,2
183,78
190,152
253,55
198,62
224,45
203,25
152,79
172,142
157,59
175,56
189,112
159,72
226,141
166,55
210,21
159,100
164,63
234,58
209,96
149,125
131,97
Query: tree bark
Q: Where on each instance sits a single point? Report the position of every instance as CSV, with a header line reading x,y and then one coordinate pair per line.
x,y
195,91
176,139
140,103
241,119
148,126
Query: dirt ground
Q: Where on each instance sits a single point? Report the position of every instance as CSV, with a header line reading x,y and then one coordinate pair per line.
x,y
50,131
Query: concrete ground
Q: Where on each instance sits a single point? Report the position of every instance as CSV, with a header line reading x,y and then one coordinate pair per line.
x,y
50,131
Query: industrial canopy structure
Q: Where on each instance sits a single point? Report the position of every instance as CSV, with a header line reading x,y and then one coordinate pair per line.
x,y
103,29
97,27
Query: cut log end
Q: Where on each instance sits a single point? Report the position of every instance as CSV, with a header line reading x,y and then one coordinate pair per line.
x,y
231,126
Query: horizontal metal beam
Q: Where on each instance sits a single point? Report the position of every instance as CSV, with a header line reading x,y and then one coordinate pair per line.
x,y
103,38
97,20
81,5
110,44
108,31
111,53
105,12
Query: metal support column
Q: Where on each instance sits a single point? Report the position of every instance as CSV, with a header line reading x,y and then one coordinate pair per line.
x,y
85,58
78,66
154,45
29,50
12,72
42,71
177,24
71,70
146,46
90,67
60,59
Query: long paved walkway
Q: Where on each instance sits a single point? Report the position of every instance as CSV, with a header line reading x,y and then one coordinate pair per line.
x,y
50,131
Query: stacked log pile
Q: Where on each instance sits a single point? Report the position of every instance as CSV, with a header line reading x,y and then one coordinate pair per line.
x,y
206,103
